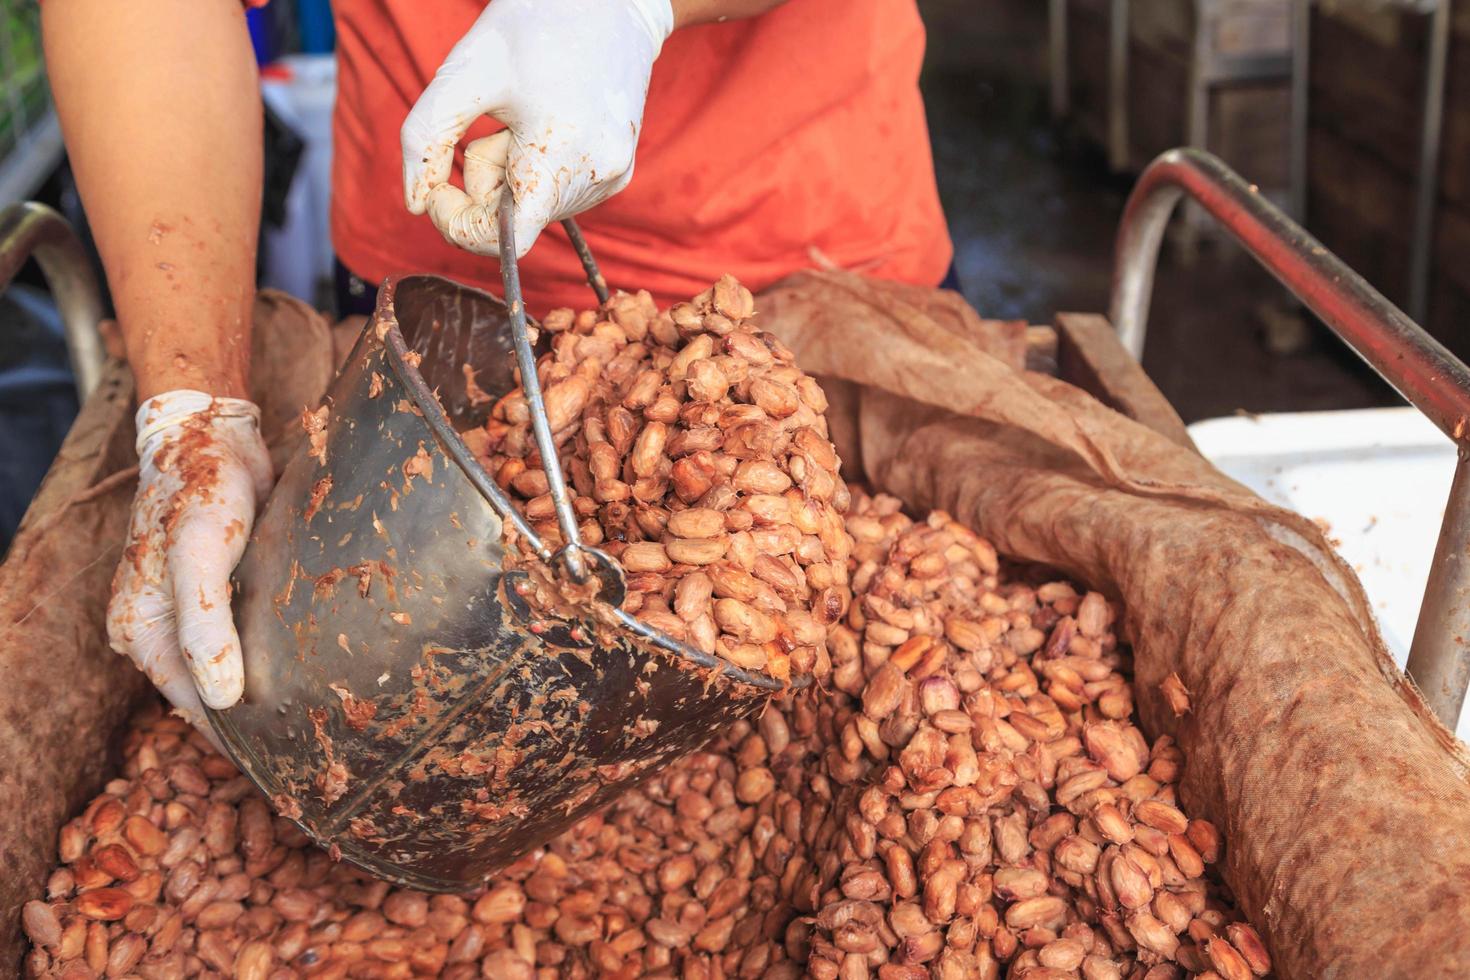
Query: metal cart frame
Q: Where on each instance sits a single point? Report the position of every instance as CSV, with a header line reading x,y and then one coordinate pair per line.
x,y
34,230
1419,367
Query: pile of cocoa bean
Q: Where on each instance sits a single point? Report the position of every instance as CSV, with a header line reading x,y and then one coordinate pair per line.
x,y
697,455
1001,812
965,797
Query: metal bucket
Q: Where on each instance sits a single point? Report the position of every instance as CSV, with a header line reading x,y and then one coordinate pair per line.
x,y
402,702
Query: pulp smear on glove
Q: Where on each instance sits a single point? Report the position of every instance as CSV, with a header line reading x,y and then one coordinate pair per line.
x,y
698,457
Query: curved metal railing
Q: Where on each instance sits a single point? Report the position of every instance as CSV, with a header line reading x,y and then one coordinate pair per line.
x,y
31,229
1419,367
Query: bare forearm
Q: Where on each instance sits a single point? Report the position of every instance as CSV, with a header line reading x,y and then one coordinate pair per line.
x,y
160,107
690,12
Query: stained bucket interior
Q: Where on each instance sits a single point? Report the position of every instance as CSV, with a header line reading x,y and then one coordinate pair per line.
x,y
451,327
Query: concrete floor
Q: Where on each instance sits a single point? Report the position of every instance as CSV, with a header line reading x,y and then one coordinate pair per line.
x,y
1033,215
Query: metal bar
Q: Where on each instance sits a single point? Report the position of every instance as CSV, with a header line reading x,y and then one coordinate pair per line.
x,y
1118,85
1419,367
1056,25
510,276
1438,659
1421,246
32,229
589,264
697,656
1301,29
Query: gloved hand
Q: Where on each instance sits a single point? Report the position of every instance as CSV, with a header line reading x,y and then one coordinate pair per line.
x,y
202,470
568,78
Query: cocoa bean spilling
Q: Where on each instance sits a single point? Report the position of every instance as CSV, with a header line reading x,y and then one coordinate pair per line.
x,y
697,455
966,797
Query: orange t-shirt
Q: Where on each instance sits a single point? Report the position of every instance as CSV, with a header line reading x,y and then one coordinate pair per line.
x,y
769,145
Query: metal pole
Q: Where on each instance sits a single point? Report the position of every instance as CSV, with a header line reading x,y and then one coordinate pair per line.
x,y
589,263
1421,246
31,229
1419,367
1056,24
1301,29
1439,660
1140,232
510,276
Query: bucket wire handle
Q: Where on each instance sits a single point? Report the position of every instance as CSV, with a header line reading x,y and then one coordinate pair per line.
x,y
589,264
510,276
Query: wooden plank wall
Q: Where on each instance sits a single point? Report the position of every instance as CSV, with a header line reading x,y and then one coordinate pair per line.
x,y
1249,122
1364,123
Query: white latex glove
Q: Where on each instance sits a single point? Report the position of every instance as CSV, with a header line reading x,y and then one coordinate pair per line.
x,y
568,78
202,470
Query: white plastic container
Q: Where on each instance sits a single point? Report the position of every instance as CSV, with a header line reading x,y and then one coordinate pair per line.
x,y
1377,481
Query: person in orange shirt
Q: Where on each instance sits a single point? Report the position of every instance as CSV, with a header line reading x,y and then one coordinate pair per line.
x,y
768,136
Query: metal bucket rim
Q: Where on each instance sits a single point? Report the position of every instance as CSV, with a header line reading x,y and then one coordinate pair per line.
x,y
432,412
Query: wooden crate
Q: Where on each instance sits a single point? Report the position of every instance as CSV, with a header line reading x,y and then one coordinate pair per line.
x,y
1209,73
1247,124
1224,28
1087,66
1005,38
1364,129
